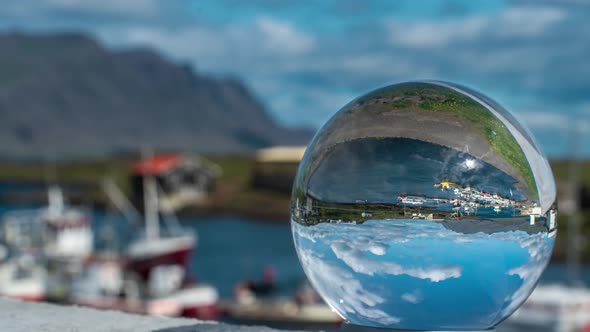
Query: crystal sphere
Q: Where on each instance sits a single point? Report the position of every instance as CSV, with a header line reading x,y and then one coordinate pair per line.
x,y
424,206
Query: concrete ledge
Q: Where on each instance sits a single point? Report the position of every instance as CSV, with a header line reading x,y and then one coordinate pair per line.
x,y
20,316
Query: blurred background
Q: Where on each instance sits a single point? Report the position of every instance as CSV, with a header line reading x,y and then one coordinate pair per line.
x,y
149,146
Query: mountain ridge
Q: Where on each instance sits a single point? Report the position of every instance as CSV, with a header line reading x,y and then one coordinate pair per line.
x,y
66,94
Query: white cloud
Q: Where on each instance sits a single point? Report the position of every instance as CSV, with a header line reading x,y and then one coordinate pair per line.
x,y
282,36
512,22
434,34
413,298
319,104
360,248
185,43
531,270
378,249
229,48
128,8
110,6
342,291
528,21
360,262
545,120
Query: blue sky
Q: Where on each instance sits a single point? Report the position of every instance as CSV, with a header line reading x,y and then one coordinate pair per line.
x,y
389,272
307,59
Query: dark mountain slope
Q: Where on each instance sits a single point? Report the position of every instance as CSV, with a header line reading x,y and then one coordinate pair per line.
x,y
67,94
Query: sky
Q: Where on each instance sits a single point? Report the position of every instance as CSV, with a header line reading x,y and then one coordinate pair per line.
x,y
305,59
387,272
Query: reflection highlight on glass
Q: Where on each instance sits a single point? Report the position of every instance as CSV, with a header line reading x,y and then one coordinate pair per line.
x,y
424,206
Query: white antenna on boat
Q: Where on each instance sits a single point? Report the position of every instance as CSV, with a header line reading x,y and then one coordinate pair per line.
x,y
55,199
119,199
150,203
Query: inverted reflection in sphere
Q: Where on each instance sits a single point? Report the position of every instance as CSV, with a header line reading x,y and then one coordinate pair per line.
x,y
424,206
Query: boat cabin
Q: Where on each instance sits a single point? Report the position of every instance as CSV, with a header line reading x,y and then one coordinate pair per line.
x,y
181,180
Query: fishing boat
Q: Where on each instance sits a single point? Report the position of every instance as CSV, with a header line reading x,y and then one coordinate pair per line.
x,y
411,200
43,249
108,284
160,258
158,246
56,231
150,275
23,278
196,301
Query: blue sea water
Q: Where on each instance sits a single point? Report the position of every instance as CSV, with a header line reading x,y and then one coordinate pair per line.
x,y
233,249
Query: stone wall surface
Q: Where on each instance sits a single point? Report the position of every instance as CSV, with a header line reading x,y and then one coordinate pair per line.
x,y
19,316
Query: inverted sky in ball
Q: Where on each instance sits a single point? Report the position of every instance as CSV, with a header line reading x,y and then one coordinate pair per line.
x,y
424,206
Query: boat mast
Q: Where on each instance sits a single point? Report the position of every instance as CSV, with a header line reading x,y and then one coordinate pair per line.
x,y
118,198
151,206
55,200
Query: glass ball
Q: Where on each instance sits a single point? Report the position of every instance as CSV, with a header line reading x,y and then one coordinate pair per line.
x,y
424,206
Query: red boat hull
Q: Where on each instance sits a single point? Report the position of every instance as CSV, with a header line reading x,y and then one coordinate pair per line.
x,y
27,298
204,312
144,266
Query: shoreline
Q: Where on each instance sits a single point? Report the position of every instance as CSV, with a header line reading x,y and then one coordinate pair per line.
x,y
276,214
